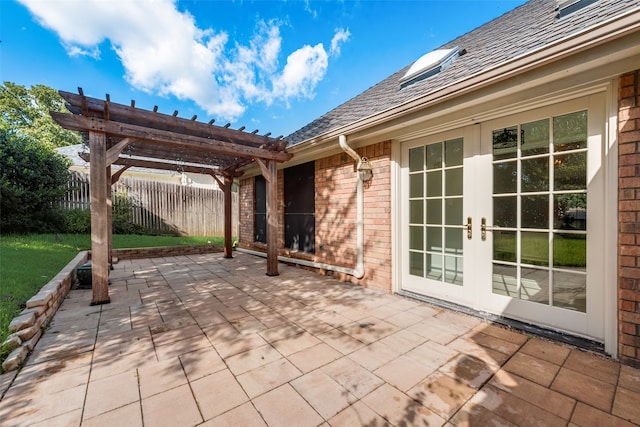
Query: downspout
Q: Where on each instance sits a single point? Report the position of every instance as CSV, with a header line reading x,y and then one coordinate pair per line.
x,y
358,271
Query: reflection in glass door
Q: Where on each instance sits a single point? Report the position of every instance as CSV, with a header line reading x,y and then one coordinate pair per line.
x,y
540,211
435,211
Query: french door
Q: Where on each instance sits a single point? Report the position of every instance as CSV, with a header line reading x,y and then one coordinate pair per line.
x,y
495,217
437,190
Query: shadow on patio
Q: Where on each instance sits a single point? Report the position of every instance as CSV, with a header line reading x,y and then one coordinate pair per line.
x,y
204,340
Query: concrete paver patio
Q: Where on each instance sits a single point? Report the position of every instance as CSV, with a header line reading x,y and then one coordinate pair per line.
x,y
202,340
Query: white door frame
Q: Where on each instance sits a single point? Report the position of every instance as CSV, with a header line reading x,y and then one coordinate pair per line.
x,y
602,106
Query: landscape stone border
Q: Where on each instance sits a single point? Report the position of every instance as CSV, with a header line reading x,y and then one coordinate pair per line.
x,y
26,329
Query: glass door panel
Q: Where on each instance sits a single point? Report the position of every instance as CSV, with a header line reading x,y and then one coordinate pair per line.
x,y
437,229
436,238
539,201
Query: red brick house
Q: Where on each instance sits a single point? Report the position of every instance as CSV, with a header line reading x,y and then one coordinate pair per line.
x,y
503,177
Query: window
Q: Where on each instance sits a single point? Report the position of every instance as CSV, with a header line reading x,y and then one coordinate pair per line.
x,y
299,207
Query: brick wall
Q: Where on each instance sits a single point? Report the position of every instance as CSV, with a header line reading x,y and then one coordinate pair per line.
x,y
247,209
247,200
335,182
629,219
165,251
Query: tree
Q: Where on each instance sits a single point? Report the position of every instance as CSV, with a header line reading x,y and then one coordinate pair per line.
x,y
26,112
33,177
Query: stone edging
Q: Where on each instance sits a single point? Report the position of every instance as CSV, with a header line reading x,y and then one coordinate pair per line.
x,y
27,328
162,251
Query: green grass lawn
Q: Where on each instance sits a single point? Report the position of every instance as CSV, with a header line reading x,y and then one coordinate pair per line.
x,y
28,262
568,250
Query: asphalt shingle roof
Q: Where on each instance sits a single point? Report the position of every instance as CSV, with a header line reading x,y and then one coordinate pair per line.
x,y
531,26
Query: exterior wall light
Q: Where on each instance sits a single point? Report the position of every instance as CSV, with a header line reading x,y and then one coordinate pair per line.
x,y
365,170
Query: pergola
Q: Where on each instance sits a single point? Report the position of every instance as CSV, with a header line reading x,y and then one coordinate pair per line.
x,y
125,135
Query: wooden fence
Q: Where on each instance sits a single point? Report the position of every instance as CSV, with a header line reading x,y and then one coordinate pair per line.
x,y
161,207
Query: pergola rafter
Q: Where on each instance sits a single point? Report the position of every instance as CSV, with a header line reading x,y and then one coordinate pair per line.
x,y
129,136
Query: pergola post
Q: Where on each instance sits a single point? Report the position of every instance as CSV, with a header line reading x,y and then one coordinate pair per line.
x,y
225,186
228,244
100,223
110,216
272,218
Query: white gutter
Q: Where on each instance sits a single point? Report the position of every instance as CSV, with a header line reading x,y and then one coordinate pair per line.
x,y
358,271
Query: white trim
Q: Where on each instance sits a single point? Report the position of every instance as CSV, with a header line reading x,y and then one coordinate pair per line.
x,y
507,106
395,171
611,222
566,3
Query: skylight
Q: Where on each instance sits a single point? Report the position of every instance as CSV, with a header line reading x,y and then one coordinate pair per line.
x,y
430,64
566,7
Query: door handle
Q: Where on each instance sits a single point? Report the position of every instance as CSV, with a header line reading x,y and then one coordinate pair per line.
x,y
483,229
469,228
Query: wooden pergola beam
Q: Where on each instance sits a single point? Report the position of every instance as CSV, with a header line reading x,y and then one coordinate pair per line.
x,y
159,120
123,161
116,176
114,152
176,140
168,155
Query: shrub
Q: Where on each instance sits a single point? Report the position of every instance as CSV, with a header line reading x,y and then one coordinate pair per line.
x,y
77,221
33,177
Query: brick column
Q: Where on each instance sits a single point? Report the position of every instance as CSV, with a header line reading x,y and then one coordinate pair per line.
x,y
629,219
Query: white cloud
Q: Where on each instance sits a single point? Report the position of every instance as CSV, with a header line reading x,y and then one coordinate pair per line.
x,y
304,69
164,52
307,8
339,38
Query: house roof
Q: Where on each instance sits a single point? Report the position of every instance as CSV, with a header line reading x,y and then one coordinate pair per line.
x,y
528,28
72,152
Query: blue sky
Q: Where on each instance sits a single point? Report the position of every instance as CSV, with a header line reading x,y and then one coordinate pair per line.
x,y
268,65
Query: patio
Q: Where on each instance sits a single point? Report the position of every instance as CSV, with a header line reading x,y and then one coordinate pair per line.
x,y
203,340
